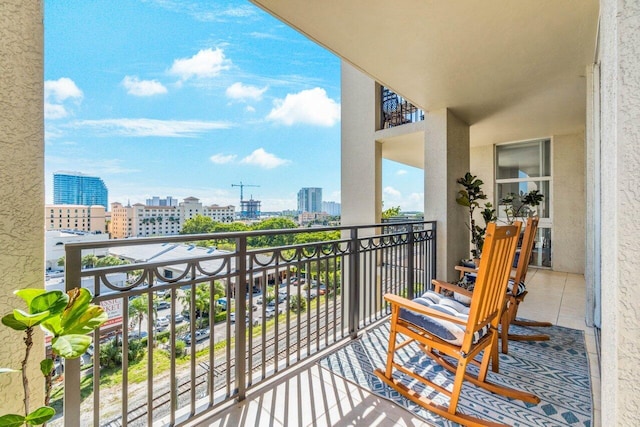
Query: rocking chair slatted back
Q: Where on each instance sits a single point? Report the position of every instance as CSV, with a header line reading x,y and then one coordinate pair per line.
x,y
493,276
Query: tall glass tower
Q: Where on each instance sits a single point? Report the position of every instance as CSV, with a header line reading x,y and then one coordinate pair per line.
x,y
74,188
310,199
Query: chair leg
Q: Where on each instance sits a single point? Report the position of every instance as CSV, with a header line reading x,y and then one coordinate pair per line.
x,y
532,323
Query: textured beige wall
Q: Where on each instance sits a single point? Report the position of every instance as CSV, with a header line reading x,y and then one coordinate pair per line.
x,y
446,157
569,203
361,164
21,178
619,57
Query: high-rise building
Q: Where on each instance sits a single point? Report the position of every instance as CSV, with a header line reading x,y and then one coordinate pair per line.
x,y
310,199
157,201
332,208
74,188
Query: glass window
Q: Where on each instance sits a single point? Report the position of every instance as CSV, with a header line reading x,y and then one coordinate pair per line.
x,y
520,168
523,187
523,160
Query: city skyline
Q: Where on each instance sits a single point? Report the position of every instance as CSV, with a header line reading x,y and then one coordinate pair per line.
x,y
186,99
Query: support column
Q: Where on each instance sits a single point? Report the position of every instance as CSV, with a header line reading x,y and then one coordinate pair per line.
x,y
446,158
361,164
22,189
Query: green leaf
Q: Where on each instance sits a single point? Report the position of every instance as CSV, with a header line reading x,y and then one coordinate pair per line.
x,y
46,366
79,300
29,294
8,370
53,325
10,321
29,319
70,346
92,318
53,301
11,420
40,415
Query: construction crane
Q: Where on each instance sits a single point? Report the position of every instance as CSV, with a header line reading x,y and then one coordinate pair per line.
x,y
241,185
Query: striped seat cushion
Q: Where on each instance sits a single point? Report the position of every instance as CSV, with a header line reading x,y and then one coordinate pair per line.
x,y
444,329
519,290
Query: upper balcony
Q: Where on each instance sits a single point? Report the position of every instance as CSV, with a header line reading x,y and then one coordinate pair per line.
x,y
396,110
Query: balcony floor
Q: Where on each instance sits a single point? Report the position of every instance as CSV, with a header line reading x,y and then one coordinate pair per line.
x,y
312,396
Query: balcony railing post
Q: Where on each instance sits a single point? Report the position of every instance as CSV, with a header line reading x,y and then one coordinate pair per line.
x,y
72,398
241,310
353,306
410,263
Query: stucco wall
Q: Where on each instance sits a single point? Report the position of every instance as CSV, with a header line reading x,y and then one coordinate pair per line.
x,y
21,178
619,57
568,203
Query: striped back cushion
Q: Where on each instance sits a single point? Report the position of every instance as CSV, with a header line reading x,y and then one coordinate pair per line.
x,y
447,331
519,290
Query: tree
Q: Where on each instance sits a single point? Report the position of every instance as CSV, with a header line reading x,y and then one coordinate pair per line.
x,y
61,261
89,261
139,309
276,239
391,212
110,261
202,301
297,304
198,225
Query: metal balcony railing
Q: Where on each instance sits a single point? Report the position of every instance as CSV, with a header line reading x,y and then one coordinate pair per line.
x,y
341,283
395,110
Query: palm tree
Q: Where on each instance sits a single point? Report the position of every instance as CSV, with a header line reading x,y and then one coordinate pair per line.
x,y
202,302
138,309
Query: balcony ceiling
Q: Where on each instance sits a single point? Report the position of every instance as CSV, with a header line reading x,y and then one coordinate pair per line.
x,y
511,70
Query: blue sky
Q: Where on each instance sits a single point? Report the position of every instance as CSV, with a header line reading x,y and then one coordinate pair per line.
x,y
167,98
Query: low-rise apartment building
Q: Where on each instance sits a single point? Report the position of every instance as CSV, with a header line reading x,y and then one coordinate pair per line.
x,y
141,220
75,217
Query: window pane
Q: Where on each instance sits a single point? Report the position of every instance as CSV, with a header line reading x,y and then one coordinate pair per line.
x,y
504,189
523,160
541,254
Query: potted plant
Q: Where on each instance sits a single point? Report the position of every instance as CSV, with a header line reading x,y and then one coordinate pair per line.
x,y
471,197
522,205
68,318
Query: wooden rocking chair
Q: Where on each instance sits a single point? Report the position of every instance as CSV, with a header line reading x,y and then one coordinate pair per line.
x,y
442,331
516,291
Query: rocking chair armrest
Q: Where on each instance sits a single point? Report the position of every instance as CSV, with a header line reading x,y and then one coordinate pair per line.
x,y
439,285
462,269
402,302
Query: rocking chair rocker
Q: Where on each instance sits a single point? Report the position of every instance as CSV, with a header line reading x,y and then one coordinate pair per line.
x,y
440,330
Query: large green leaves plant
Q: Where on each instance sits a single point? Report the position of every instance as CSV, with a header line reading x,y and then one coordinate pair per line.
x,y
68,318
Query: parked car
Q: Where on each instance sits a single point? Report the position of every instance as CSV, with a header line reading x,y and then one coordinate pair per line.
x,y
201,335
179,318
232,319
163,305
163,321
134,335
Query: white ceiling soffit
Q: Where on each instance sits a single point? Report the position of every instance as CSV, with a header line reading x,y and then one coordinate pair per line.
x,y
511,69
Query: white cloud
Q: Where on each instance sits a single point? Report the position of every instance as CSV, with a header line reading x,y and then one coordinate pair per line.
x,y
151,127
401,172
221,159
56,94
250,109
138,87
263,159
206,63
243,92
311,107
390,191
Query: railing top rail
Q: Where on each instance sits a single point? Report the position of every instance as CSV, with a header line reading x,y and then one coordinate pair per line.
x,y
218,236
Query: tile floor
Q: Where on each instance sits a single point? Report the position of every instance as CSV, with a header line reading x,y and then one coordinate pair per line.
x,y
312,396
